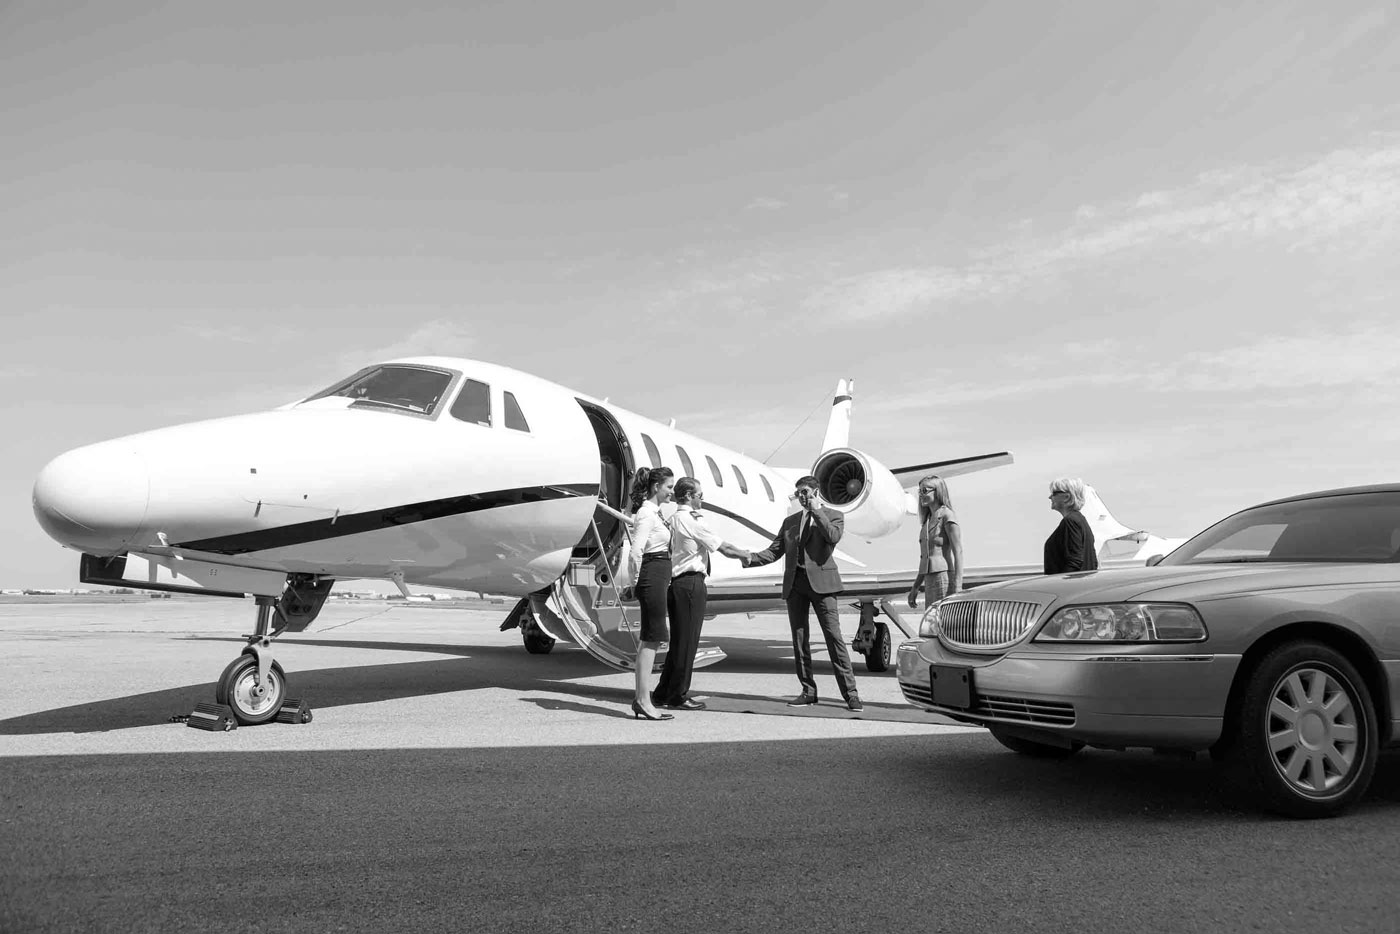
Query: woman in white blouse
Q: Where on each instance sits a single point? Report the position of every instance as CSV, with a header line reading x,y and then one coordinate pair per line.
x,y
650,564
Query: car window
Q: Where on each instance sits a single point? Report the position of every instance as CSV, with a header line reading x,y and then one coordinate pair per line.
x,y
1355,527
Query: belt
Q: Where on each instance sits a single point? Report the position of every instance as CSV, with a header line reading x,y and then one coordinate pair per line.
x,y
656,554
688,574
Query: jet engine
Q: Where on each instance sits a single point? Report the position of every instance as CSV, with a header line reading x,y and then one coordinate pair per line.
x,y
863,490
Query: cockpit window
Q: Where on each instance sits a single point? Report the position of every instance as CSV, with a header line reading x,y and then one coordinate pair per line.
x,y
473,403
514,417
403,388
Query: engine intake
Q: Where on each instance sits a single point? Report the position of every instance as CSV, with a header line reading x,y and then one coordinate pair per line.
x,y
863,490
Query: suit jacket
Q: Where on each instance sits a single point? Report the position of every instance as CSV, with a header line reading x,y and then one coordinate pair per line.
x,y
1071,546
825,531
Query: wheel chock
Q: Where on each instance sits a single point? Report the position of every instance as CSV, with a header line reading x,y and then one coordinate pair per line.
x,y
294,711
214,717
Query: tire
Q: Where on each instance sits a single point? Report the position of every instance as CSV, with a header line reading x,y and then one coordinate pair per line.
x,y
234,690
878,658
1029,747
1307,738
537,643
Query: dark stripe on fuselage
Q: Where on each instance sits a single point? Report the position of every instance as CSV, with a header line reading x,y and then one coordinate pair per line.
x,y
746,523
358,523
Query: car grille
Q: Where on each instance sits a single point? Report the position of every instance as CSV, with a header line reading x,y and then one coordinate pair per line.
x,y
1002,707
985,623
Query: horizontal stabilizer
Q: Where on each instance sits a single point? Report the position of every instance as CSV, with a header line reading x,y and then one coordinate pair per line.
x,y
909,476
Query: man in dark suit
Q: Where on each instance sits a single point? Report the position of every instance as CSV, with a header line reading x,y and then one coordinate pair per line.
x,y
811,581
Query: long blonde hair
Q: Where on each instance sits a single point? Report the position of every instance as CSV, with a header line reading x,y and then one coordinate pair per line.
x,y
940,489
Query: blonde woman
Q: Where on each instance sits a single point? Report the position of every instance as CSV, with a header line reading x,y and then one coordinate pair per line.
x,y
1071,546
940,544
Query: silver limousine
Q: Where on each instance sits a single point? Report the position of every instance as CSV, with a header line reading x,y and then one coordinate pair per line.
x,y
1272,639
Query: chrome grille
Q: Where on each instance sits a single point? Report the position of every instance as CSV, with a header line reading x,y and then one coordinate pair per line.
x,y
1000,707
1023,708
986,623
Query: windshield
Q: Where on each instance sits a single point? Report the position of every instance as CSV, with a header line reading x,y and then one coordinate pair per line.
x,y
1356,527
405,388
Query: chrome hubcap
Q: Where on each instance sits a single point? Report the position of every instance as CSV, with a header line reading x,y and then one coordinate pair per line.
x,y
254,700
1313,733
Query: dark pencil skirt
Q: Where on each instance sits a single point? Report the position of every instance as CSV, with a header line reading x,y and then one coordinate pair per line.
x,y
653,582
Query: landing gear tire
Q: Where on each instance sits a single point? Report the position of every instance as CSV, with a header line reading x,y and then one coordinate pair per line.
x,y
1307,738
537,643
252,704
1029,747
878,658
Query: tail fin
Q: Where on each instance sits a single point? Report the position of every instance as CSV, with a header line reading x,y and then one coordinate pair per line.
x,y
1100,519
838,427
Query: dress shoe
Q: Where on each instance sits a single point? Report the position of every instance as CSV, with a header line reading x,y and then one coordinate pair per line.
x,y
853,703
803,700
639,713
686,704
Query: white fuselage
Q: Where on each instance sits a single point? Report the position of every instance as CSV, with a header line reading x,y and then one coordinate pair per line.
x,y
338,487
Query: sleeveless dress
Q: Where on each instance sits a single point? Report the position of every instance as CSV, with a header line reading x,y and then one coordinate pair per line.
x,y
932,537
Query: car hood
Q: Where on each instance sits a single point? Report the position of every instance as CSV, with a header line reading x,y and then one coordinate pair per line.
x,y
1168,583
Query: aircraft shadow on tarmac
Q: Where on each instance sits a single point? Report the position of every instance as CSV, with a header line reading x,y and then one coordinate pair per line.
x,y
470,667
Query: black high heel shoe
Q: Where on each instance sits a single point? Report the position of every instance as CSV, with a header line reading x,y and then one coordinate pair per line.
x,y
639,714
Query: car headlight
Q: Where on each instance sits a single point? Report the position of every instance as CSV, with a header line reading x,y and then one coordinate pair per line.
x,y
1124,622
930,626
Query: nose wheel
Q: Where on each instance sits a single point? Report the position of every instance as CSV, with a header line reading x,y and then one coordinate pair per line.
x,y
253,699
253,685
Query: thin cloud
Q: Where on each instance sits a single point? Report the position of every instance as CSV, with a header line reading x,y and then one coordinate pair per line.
x,y
1364,357
765,203
1347,200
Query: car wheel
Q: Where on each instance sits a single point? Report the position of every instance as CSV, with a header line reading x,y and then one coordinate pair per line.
x,y
1307,739
1029,747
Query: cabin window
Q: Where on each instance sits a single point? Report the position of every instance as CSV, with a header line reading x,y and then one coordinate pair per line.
x,y
514,417
714,470
653,454
743,484
685,462
397,387
767,489
473,403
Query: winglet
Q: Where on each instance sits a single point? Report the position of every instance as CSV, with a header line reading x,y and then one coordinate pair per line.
x,y
838,427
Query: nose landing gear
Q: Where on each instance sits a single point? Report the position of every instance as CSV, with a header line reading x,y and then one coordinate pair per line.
x,y
254,685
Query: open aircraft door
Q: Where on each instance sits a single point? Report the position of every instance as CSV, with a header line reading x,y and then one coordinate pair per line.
x,y
585,605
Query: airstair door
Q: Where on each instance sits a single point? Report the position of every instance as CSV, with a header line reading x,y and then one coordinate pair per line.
x,y
585,607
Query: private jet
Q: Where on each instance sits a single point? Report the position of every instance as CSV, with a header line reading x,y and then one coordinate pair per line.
x,y
452,473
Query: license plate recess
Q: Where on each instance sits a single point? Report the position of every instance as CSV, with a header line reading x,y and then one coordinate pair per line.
x,y
951,686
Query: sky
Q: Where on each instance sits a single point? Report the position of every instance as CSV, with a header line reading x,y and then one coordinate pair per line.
x,y
1147,245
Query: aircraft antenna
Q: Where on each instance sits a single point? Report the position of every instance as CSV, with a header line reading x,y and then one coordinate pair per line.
x,y
824,402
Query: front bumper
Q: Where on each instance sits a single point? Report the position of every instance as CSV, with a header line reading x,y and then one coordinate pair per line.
x,y
1109,695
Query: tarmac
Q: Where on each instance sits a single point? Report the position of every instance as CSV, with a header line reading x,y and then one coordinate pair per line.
x,y
449,781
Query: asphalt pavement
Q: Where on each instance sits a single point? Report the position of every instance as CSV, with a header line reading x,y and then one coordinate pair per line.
x,y
451,783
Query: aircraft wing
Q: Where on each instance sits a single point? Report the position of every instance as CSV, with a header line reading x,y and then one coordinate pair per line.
x,y
909,476
762,592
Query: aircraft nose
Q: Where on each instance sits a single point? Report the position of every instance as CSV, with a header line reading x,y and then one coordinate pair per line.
x,y
93,498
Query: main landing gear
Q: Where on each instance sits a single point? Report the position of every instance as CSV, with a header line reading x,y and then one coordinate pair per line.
x,y
873,639
254,685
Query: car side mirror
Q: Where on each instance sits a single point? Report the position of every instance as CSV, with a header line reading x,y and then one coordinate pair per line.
x,y
1155,560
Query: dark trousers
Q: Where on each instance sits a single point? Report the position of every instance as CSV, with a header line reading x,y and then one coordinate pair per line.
x,y
686,609
801,600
